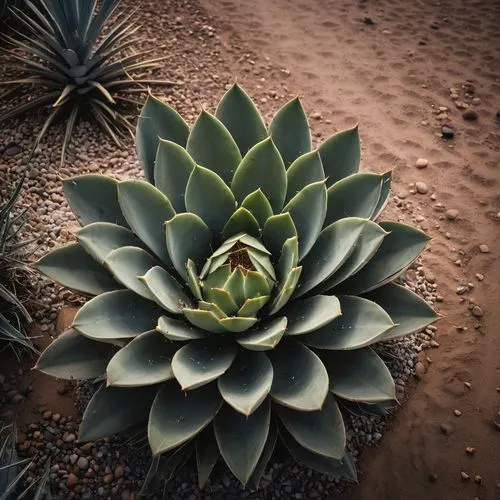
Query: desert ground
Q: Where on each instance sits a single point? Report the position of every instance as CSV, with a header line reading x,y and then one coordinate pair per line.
x,y
402,70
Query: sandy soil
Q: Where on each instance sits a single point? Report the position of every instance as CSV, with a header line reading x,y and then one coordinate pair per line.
x,y
392,77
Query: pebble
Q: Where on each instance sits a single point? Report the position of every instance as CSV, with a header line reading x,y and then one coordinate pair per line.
x,y
420,370
457,413
422,163
470,114
72,480
478,479
421,187
447,132
484,249
479,276
451,214
464,476
433,478
477,312
470,450
82,463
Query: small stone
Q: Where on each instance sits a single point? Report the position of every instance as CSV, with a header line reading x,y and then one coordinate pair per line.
x,y
83,463
368,21
484,249
69,438
451,214
477,312
470,450
479,276
461,290
447,132
119,471
422,163
464,476
12,151
108,478
468,385
470,114
17,398
421,187
317,116
420,370
446,429
435,26
47,415
433,478
457,413
434,344
72,480
478,479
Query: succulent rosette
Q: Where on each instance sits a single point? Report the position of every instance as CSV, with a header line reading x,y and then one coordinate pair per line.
x,y
237,292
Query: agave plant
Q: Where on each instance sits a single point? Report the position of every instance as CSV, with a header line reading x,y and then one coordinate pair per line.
x,y
238,291
61,54
12,310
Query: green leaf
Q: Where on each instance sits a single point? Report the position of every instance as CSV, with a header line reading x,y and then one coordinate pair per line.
x,y
209,306
217,279
320,431
74,268
188,237
223,300
209,197
255,285
354,196
116,315
94,198
172,169
147,360
398,250
250,241
308,315
100,238
146,210
261,168
365,248
206,320
301,385
332,248
265,337
202,361
247,382
344,468
157,121
177,416
286,291
241,221
290,131
305,170
252,306
362,323
207,454
261,263
114,409
341,154
265,456
74,356
359,375
407,309
235,285
193,279
237,325
276,231
242,119
385,194
127,264
211,146
165,290
308,210
242,438
258,205
177,330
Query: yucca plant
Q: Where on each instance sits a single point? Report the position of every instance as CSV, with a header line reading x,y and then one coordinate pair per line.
x,y
61,51
13,469
12,310
238,291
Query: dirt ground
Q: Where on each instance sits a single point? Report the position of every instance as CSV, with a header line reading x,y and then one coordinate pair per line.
x,y
392,77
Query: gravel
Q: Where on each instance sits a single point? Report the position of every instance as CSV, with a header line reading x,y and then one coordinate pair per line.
x,y
115,468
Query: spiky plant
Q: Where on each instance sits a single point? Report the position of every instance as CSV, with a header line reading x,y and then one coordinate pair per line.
x,y
12,310
237,292
62,53
13,469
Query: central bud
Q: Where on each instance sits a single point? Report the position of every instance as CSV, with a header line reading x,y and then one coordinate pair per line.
x,y
236,282
239,257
